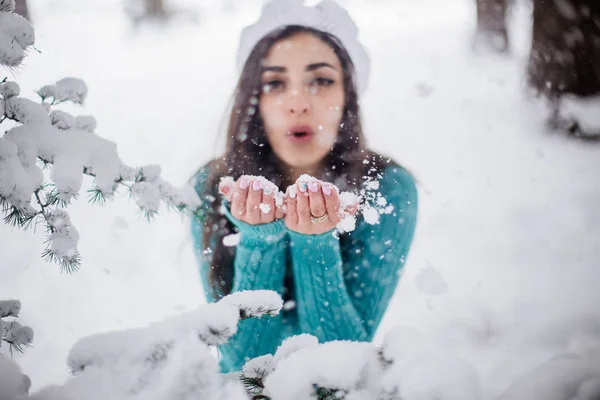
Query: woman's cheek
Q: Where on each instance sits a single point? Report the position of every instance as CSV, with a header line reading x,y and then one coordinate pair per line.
x,y
272,116
326,135
334,115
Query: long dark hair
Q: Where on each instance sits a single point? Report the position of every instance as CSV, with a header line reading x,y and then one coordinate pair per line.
x,y
248,151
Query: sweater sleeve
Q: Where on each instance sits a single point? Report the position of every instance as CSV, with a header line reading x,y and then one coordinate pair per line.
x,y
343,292
259,263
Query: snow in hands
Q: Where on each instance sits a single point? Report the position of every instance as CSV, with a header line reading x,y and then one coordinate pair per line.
x,y
370,202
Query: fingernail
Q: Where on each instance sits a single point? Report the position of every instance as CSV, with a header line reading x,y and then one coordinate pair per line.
x,y
267,190
256,185
292,192
244,182
313,187
302,186
326,190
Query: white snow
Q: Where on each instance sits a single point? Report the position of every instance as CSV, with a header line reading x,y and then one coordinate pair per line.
x,y
66,89
19,28
508,213
371,215
9,89
585,111
16,35
10,308
232,240
62,120
64,238
265,208
11,53
13,382
346,366
293,344
430,281
259,367
7,5
17,334
256,303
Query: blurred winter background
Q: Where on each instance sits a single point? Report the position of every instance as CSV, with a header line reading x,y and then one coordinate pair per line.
x,y
506,257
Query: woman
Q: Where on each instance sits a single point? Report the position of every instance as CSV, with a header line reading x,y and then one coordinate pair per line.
x,y
296,112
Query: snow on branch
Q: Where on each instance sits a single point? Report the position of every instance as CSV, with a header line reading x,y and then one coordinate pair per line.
x,y
333,369
211,324
42,138
12,332
13,383
153,367
68,146
169,359
255,303
16,35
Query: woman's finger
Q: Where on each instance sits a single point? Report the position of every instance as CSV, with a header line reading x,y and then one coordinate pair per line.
x,y
302,204
332,202
316,200
238,198
253,202
291,214
279,205
267,206
226,187
227,192
279,212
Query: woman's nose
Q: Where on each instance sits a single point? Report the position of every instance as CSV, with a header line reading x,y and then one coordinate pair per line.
x,y
299,102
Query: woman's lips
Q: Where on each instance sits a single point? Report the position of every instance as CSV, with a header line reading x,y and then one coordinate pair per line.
x,y
300,134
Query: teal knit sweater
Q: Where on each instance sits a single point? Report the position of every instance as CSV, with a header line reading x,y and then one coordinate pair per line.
x,y
341,289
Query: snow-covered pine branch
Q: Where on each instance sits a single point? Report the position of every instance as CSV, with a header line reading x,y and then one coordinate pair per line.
x,y
407,366
14,385
16,35
254,303
67,145
170,359
12,332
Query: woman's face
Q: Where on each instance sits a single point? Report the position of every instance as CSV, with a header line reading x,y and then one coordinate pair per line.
x,y
302,99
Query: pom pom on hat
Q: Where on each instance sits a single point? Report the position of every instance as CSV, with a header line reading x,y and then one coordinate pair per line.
x,y
327,16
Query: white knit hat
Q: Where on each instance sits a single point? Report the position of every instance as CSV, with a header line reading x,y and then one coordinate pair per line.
x,y
327,16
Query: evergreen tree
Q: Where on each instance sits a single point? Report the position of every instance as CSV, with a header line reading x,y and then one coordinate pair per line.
x,y
491,25
564,64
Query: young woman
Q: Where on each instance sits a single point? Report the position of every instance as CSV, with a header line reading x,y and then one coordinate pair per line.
x,y
296,112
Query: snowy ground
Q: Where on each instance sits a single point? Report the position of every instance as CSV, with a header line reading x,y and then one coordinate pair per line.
x,y
508,243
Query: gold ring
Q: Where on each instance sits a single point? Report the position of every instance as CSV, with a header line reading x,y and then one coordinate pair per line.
x,y
314,219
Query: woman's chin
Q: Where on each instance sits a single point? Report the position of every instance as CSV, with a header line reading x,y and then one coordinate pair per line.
x,y
302,163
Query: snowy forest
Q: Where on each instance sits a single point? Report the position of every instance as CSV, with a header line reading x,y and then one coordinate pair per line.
x,y
107,109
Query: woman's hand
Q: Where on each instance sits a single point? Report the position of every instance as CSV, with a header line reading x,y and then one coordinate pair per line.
x,y
313,201
252,200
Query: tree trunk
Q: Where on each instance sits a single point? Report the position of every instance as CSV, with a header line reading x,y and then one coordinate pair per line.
x,y
565,53
491,24
155,8
21,9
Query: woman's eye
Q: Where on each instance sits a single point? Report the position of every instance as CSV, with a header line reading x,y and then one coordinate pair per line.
x,y
323,82
272,85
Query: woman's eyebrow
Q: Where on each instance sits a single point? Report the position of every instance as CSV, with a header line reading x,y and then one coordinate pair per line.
x,y
312,67
309,67
273,68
